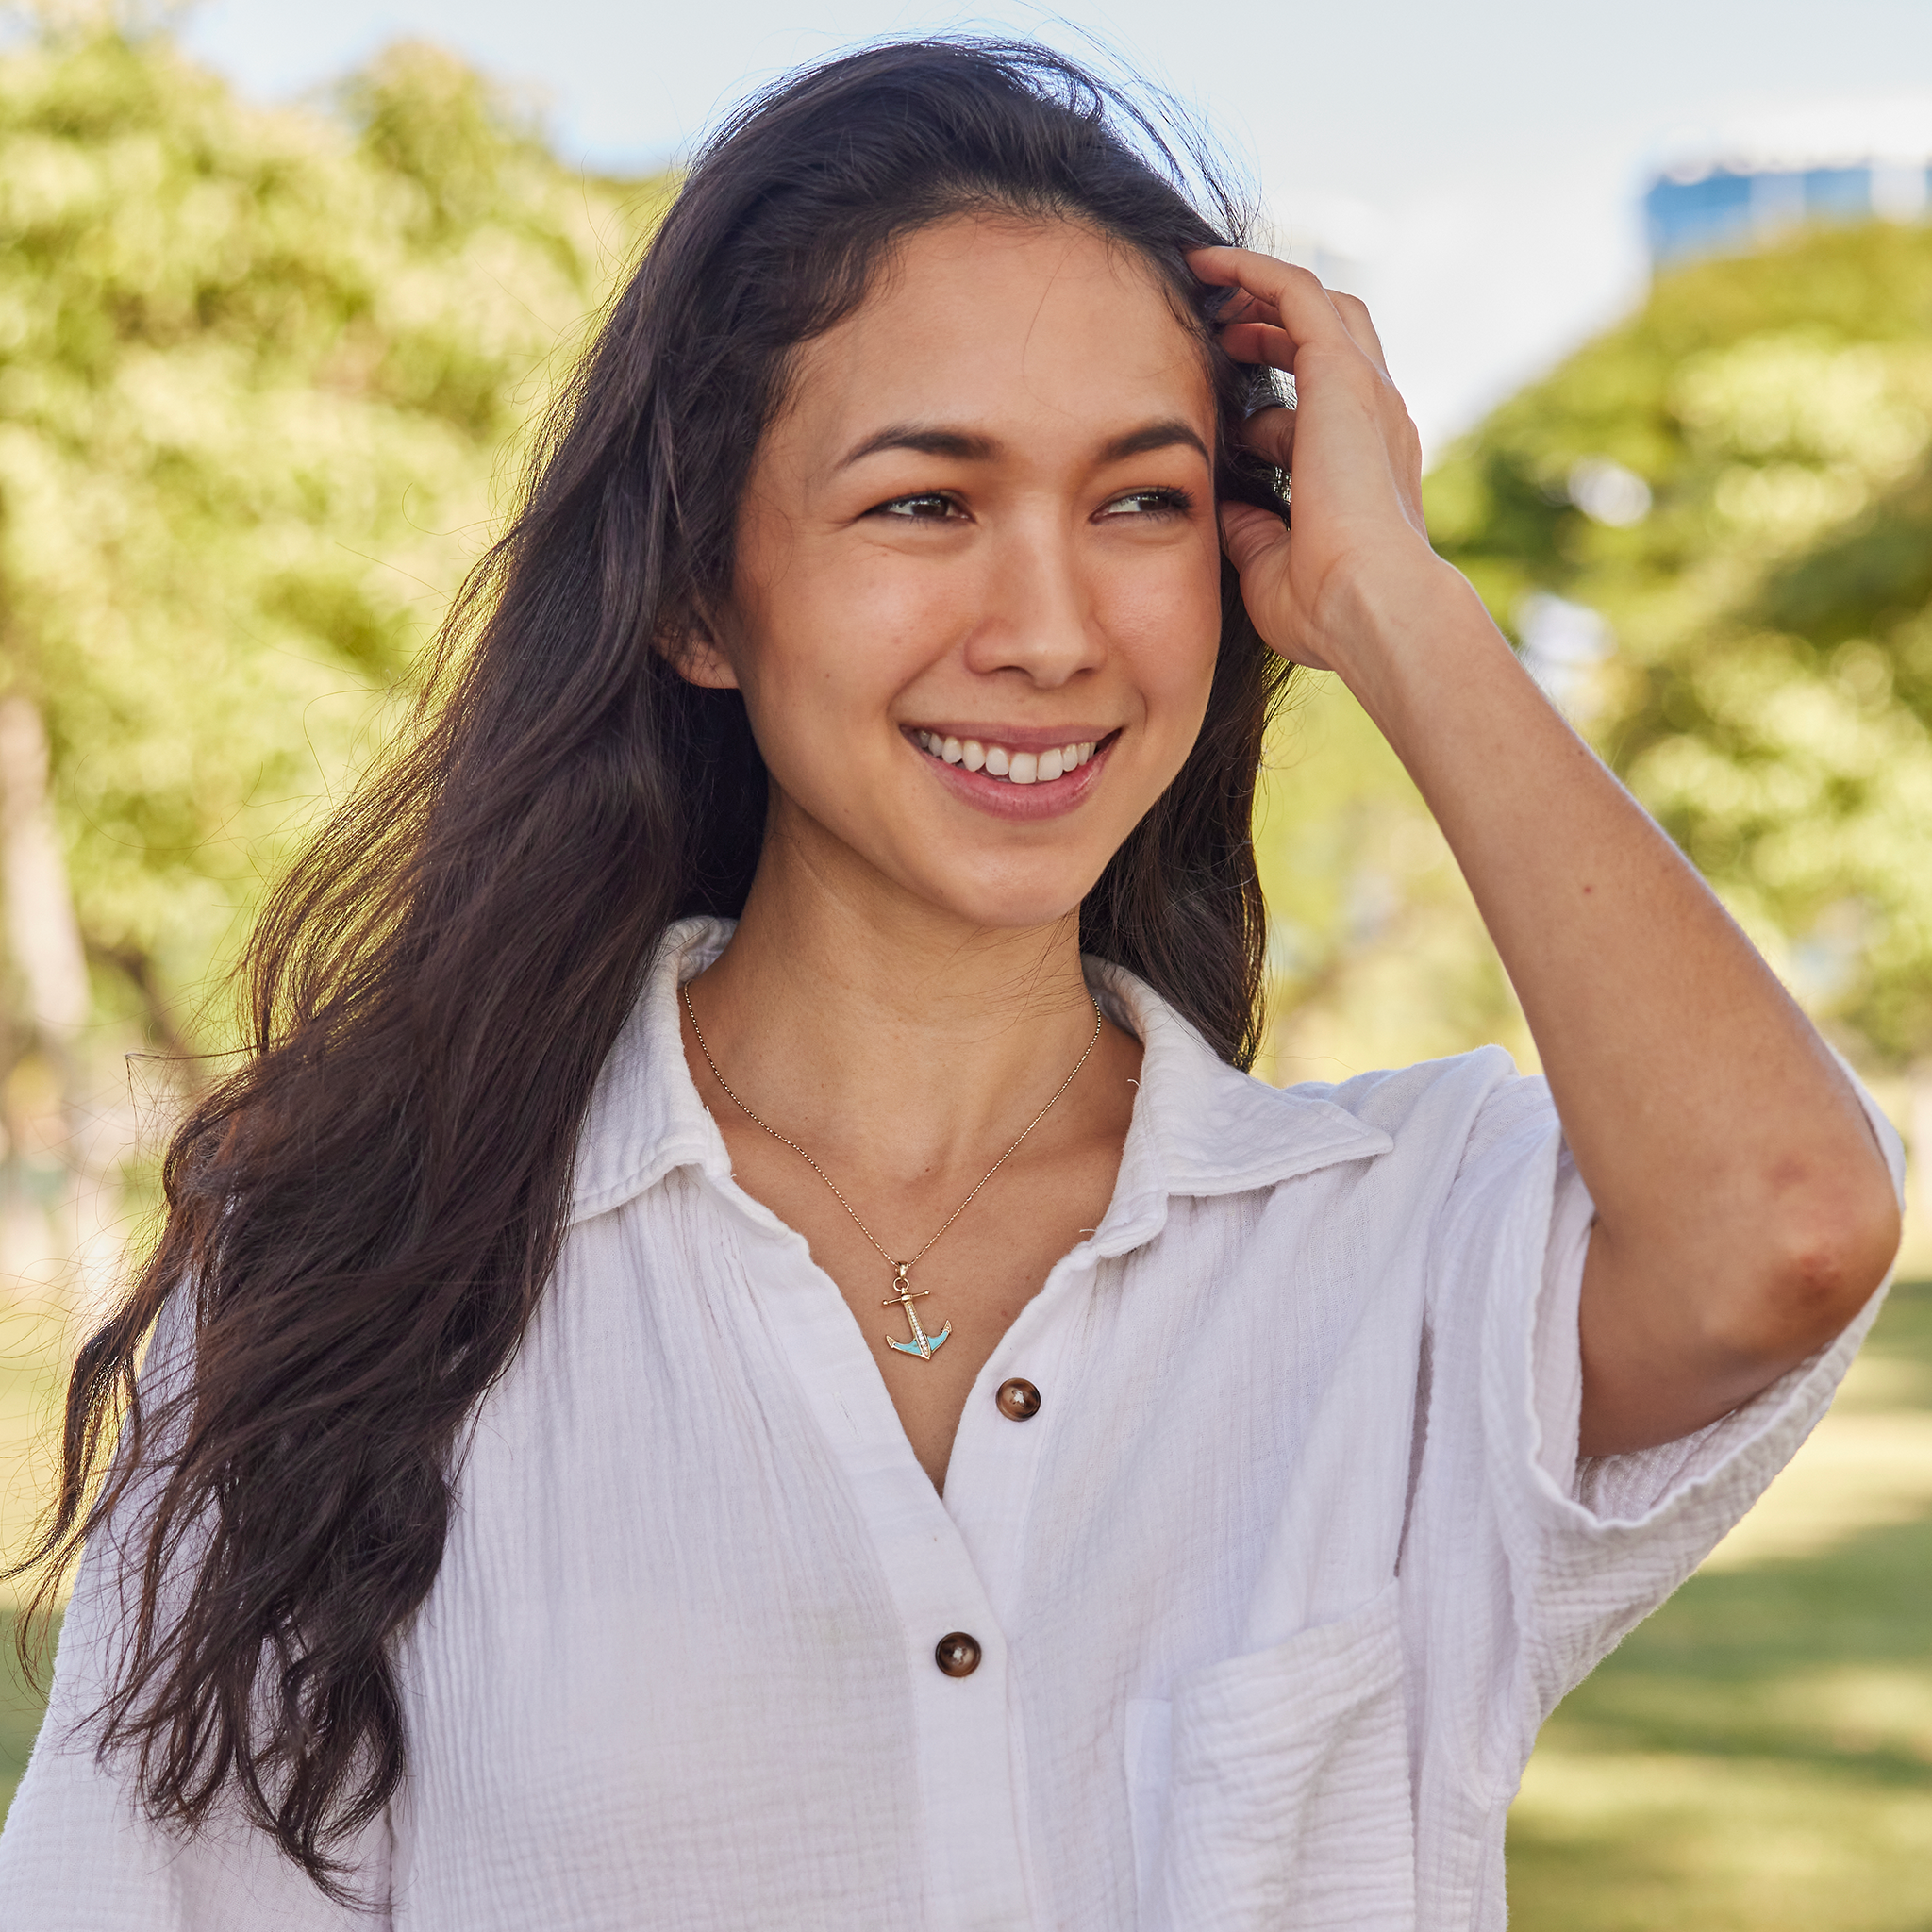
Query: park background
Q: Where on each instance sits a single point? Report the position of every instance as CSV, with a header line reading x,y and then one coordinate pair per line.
x,y
281,292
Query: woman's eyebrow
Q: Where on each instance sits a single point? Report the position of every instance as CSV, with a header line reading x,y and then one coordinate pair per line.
x,y
933,440
926,440
1163,435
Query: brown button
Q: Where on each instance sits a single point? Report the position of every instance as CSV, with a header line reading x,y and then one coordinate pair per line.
x,y
1017,1399
956,1653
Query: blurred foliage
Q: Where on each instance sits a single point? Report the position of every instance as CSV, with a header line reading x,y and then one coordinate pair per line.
x,y
257,373
1376,954
1739,479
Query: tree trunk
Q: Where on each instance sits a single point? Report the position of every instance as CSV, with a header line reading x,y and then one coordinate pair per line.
x,y
40,926
44,937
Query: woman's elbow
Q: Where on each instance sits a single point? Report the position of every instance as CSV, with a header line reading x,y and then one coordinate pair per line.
x,y
1830,1243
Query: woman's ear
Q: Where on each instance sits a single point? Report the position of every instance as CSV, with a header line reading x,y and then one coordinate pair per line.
x,y
691,651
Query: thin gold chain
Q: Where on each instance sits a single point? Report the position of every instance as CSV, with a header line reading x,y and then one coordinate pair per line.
x,y
1092,1041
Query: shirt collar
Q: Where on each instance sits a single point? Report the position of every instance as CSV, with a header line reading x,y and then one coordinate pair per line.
x,y
645,1117
1200,1127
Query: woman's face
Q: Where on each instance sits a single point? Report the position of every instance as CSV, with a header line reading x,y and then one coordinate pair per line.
x,y
977,599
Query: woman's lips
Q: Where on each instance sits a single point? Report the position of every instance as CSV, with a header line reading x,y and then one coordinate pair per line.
x,y
1021,792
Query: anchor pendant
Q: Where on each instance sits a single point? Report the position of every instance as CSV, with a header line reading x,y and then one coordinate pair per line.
x,y
904,1295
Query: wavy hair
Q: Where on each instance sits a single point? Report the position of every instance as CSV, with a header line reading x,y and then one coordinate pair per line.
x,y
360,1220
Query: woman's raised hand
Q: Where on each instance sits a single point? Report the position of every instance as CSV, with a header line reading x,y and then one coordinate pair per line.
x,y
1359,545
1743,1214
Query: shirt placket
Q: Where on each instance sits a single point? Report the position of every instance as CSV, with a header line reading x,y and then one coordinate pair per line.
x,y
962,1824
1010,1418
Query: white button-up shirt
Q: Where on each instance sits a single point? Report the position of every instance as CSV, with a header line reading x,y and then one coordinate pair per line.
x,y
1271,1593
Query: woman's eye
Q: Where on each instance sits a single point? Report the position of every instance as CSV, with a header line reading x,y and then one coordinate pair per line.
x,y
1149,503
930,508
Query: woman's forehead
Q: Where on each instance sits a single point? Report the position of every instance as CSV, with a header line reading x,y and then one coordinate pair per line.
x,y
1007,328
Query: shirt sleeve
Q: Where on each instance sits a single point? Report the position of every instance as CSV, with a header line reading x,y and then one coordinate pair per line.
x,y
1579,1550
78,1855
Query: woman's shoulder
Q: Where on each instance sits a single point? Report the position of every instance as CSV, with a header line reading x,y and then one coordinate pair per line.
x,y
1465,1101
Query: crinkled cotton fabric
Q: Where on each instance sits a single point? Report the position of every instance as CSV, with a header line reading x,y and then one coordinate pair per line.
x,y
1271,1593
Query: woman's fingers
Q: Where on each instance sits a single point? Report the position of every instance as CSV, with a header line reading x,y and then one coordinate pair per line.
x,y
1277,307
1299,302
1242,307
1270,433
1260,545
1252,537
1354,312
1258,341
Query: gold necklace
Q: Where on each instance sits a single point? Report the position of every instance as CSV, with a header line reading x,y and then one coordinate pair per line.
x,y
904,1294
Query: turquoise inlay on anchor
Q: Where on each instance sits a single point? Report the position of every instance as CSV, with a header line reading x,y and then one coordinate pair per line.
x,y
923,1347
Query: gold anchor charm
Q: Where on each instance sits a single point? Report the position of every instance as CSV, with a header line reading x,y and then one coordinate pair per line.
x,y
904,1295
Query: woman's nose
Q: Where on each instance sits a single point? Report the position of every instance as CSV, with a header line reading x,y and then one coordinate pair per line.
x,y
1037,614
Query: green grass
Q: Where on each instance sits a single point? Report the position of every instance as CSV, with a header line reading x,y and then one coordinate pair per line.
x,y
33,1350
1757,1758
19,1714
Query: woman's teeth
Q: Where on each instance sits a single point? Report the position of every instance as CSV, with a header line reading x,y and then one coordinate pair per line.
x,y
1017,767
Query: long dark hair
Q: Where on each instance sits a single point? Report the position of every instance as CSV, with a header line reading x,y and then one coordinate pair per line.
x,y
363,1217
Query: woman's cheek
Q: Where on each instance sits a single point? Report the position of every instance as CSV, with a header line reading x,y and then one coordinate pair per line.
x,y
1172,645
870,643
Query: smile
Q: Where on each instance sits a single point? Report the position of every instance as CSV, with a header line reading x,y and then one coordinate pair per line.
x,y
1002,761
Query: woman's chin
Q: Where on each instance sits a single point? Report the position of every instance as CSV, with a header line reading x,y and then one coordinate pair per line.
x,y
1004,904
995,878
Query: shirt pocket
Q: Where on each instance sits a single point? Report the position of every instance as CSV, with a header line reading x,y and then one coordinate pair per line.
x,y
1271,1790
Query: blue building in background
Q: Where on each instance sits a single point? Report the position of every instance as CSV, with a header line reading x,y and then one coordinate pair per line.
x,y
1732,192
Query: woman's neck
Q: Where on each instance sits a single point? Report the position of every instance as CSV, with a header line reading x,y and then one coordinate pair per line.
x,y
878,1029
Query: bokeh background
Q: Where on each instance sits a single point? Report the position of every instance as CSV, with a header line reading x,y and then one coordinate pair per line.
x,y
281,290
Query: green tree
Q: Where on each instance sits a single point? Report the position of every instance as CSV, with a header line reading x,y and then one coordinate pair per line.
x,y
259,371
1739,480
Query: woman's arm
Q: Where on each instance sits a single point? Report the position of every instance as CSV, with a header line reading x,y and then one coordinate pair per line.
x,y
1744,1213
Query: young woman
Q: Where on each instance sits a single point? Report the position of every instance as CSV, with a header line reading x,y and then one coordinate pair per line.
x,y
744,1351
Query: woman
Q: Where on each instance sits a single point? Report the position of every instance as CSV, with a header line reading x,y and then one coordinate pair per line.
x,y
1203,1492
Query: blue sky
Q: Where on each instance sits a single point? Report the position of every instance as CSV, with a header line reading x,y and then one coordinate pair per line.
x,y
1472,170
